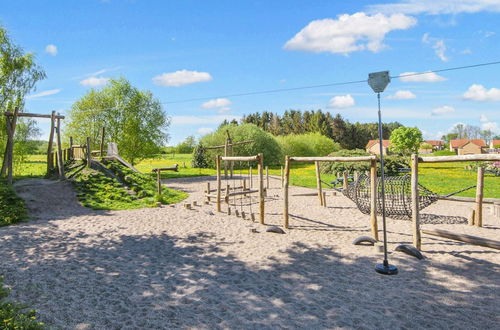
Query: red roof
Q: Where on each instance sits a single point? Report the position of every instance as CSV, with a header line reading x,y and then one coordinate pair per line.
x,y
371,143
435,143
495,142
461,142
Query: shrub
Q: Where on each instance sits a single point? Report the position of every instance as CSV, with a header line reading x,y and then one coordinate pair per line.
x,y
263,143
12,207
310,144
340,167
186,146
393,164
199,157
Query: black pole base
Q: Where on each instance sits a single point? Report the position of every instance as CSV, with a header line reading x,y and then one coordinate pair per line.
x,y
386,269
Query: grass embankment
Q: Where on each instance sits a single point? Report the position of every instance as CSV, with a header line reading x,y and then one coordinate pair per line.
x,y
129,190
13,315
12,207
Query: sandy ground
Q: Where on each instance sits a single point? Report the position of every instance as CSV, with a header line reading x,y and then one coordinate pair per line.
x,y
171,267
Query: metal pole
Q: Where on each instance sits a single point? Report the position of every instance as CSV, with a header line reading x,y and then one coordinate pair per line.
x,y
386,268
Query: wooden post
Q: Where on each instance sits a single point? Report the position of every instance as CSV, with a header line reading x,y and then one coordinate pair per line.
x,y
71,156
89,152
51,138
158,179
318,184
250,177
415,213
267,177
217,162
285,191
228,191
472,217
281,176
226,149
208,191
103,132
479,197
244,184
261,187
345,184
324,199
373,198
7,165
60,163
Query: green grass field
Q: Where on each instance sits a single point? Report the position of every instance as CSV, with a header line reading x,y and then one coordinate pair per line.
x,y
442,178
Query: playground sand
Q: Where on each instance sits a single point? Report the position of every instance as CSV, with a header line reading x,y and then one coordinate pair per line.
x,y
171,267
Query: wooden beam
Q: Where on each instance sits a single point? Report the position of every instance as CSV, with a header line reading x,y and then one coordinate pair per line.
x,y
285,191
475,240
33,115
318,184
50,165
60,162
373,199
261,188
478,220
241,158
469,199
415,212
462,158
231,144
333,159
217,162
174,168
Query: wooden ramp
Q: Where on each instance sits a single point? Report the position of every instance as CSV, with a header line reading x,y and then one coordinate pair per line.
x,y
475,240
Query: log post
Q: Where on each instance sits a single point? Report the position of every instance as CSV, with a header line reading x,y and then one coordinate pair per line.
x,y
158,179
415,213
373,198
60,162
226,149
318,184
324,199
208,191
71,156
103,132
217,162
267,177
285,191
228,192
7,165
479,197
89,152
261,187
50,165
345,184
250,177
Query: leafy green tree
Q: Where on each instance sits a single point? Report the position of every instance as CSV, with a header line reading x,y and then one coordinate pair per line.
x,y
134,119
18,75
187,146
406,140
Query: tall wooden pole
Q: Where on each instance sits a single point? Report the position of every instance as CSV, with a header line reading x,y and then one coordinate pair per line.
x,y
103,132
478,221
89,153
373,198
250,179
285,191
226,150
346,179
217,162
415,213
11,124
60,163
51,138
158,180
318,184
261,188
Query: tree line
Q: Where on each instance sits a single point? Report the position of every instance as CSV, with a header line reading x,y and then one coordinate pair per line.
x,y
349,135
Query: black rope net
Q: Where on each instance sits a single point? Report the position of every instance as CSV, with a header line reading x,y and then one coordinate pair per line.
x,y
397,196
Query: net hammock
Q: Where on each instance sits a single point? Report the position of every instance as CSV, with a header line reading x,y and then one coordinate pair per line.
x,y
397,195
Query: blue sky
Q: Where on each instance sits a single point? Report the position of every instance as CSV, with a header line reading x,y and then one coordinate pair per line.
x,y
194,49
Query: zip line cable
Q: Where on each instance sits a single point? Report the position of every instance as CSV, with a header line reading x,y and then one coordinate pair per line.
x,y
270,91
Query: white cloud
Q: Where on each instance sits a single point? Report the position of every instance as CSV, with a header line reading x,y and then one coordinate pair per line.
x,y
94,81
443,110
483,119
481,94
425,77
181,77
348,33
216,103
440,49
204,130
341,101
51,49
434,7
402,95
44,93
202,120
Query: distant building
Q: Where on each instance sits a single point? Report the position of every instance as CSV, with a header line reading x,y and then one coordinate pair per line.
x,y
435,145
494,143
468,146
373,147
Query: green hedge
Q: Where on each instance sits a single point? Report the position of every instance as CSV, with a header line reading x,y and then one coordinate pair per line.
x,y
12,208
306,145
340,167
264,143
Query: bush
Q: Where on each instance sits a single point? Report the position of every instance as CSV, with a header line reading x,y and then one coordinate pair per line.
x,y
199,157
186,146
340,167
304,145
393,164
263,143
12,207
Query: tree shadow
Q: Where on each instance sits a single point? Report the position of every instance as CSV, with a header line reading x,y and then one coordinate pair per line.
x,y
163,281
